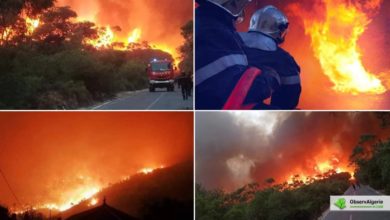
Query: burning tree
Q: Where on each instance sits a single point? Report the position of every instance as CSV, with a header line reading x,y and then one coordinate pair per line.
x,y
51,60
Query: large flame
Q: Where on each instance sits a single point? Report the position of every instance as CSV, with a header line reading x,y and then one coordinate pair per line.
x,y
321,169
78,195
105,38
134,36
334,41
31,25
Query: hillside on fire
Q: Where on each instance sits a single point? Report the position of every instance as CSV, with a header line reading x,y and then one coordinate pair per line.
x,y
71,164
161,194
60,55
276,166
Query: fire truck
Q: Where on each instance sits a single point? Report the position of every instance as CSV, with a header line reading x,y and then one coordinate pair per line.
x,y
161,75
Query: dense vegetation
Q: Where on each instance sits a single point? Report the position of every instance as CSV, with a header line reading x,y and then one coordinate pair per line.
x,y
272,203
373,163
54,68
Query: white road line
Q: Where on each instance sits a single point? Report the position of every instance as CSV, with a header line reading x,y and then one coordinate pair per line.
x,y
99,106
155,101
350,217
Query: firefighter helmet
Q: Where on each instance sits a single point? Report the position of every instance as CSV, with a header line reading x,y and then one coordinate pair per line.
x,y
271,22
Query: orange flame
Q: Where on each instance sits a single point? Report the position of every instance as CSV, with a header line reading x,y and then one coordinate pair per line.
x,y
334,42
93,202
134,36
320,170
148,170
31,25
78,196
105,38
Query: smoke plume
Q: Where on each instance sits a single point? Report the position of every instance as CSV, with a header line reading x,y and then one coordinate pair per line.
x,y
236,149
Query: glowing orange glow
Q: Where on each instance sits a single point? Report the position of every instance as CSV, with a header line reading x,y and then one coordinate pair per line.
x,y
105,38
169,50
93,202
32,24
148,170
74,198
334,41
320,170
137,21
135,36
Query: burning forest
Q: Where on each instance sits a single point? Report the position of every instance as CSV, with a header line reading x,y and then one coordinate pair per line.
x,y
287,147
248,165
61,163
340,44
87,51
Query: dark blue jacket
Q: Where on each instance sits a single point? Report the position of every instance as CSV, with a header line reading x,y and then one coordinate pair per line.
x,y
288,94
220,59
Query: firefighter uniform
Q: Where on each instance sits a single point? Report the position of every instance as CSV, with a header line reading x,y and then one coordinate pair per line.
x,y
221,62
262,51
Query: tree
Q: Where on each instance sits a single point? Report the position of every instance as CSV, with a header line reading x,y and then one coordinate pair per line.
x,y
12,17
186,50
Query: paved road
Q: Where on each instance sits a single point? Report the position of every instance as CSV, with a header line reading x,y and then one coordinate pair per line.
x,y
355,215
145,100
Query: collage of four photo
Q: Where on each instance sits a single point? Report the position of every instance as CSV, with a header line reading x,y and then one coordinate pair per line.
x,y
194,109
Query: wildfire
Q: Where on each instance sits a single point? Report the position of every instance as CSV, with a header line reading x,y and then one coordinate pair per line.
x,y
93,202
84,194
320,170
105,38
134,36
148,170
334,42
31,25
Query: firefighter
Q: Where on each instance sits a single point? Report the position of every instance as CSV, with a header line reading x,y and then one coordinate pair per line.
x,y
267,30
185,83
223,78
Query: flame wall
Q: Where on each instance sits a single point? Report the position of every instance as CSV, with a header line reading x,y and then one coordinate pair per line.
x,y
317,87
236,149
160,21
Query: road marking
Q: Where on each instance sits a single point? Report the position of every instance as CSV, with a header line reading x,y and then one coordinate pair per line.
x,y
99,106
350,217
155,101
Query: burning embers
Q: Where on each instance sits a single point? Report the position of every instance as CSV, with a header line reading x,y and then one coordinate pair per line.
x,y
321,169
334,41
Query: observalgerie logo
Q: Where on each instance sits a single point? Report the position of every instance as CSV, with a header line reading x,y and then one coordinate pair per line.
x,y
340,203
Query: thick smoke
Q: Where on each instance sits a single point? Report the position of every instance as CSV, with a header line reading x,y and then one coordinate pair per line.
x,y
231,152
373,43
48,157
160,21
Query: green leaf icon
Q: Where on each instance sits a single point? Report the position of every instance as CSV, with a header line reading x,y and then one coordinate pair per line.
x,y
340,203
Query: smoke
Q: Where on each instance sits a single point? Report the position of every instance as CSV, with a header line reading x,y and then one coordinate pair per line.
x,y
51,157
373,43
160,21
236,149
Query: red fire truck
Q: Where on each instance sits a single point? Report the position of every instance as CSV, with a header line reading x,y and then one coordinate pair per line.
x,y
161,75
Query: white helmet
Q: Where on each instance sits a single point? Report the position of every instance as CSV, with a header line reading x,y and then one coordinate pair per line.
x,y
271,22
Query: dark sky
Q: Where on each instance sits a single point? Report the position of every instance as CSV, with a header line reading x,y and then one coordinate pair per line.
x,y
236,149
50,157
